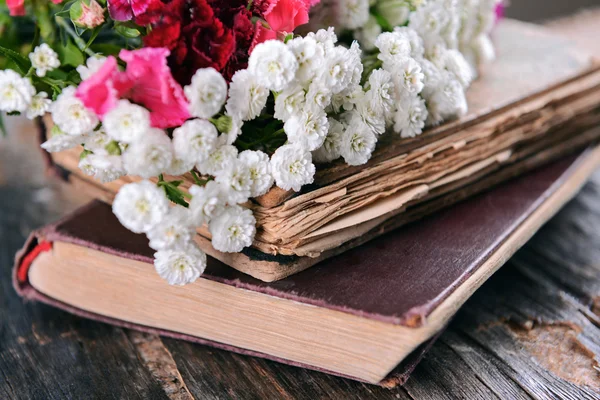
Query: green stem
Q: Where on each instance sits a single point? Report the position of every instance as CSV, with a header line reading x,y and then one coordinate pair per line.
x,y
43,19
79,42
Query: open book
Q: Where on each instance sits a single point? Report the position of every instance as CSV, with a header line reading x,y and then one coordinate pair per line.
x,y
358,315
535,103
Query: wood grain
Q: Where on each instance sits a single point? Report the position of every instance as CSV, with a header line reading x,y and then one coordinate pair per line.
x,y
489,351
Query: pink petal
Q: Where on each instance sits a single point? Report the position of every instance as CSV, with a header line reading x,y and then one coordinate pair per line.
x,y
98,92
154,86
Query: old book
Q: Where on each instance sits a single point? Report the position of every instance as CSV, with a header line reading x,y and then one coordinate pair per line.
x,y
536,102
357,315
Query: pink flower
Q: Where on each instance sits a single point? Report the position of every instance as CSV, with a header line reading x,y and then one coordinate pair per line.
x,y
282,16
16,8
87,14
154,86
147,80
124,10
98,92
287,15
499,11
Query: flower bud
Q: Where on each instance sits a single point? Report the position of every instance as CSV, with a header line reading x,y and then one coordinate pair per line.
x,y
223,124
87,14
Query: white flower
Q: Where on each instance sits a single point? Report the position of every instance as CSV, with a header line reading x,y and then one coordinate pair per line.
x,y
206,202
326,38
273,64
430,19
455,63
346,100
233,133
151,156
380,92
179,167
392,47
39,105
353,13
331,147
92,65
16,93
96,142
339,69
105,168
447,102
247,97
260,171
175,231
368,34
127,122
289,102
180,266
417,49
140,206
433,78
309,55
307,129
408,76
233,229
43,59
195,140
410,118
318,96
207,93
218,160
235,181
395,11
69,113
372,117
483,49
292,167
60,141
358,142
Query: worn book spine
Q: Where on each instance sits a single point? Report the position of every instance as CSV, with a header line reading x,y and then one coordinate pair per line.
x,y
42,240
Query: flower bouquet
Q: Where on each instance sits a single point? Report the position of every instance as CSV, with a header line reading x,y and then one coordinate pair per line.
x,y
243,98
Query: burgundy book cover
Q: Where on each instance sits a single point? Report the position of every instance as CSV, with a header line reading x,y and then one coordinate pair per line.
x,y
399,278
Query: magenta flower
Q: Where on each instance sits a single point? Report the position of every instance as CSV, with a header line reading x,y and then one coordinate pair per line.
x,y
124,10
147,81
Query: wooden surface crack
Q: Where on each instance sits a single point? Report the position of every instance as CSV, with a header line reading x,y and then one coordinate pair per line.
x,y
160,363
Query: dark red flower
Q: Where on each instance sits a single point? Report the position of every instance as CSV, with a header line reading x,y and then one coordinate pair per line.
x,y
201,34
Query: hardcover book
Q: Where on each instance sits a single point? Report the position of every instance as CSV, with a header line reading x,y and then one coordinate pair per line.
x,y
532,105
367,314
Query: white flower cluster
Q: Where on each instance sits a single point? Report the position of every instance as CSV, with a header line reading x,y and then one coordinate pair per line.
x,y
329,101
126,143
462,25
17,94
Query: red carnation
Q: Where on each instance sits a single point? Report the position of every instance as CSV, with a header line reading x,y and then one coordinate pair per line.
x,y
201,34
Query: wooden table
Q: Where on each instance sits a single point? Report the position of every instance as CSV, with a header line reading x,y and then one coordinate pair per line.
x,y
532,331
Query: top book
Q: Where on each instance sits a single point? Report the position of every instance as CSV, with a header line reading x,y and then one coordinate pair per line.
x,y
534,103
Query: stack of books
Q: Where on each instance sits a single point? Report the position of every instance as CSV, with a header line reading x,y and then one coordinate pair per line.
x,y
371,310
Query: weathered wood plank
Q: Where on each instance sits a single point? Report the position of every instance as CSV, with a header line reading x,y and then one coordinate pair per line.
x,y
48,354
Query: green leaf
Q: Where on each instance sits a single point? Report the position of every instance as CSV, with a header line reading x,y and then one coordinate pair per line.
x,y
2,126
126,30
175,195
93,36
74,77
70,55
21,63
106,49
383,22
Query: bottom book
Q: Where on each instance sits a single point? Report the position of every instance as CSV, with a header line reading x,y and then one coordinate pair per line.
x,y
369,314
